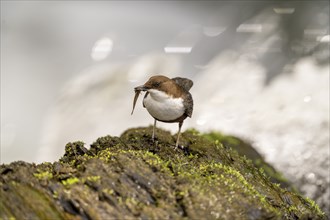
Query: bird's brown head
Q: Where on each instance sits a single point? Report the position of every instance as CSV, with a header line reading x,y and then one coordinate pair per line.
x,y
161,83
155,82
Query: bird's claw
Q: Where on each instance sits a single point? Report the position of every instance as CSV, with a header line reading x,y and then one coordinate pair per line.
x,y
179,146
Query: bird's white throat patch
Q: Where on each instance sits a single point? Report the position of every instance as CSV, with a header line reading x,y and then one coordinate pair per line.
x,y
163,106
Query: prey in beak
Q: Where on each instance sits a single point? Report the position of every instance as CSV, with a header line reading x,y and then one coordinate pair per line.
x,y
137,93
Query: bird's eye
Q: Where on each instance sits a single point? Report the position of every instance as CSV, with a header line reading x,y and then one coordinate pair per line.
x,y
156,84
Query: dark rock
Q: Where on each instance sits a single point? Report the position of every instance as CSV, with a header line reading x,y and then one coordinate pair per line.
x,y
132,177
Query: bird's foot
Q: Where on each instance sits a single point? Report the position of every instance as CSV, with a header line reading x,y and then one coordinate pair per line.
x,y
154,141
179,146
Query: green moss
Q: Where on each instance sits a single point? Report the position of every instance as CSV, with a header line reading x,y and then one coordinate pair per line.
x,y
55,194
93,178
314,206
108,191
43,175
70,181
245,150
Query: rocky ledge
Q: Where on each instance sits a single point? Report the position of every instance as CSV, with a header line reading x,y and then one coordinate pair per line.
x,y
213,177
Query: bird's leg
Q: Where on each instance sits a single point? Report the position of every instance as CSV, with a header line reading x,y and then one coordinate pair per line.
x,y
179,132
153,130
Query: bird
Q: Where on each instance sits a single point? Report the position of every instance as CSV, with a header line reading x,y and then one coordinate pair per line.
x,y
167,100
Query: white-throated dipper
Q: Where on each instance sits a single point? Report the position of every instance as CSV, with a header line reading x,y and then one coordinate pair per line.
x,y
167,100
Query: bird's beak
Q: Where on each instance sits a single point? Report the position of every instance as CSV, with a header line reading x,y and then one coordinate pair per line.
x,y
141,88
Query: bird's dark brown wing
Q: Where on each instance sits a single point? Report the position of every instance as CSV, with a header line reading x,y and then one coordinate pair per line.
x,y
188,103
185,83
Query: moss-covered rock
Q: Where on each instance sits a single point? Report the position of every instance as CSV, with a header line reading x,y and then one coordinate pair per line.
x,y
132,177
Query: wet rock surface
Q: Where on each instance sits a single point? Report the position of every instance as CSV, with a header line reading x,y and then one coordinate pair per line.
x,y
132,177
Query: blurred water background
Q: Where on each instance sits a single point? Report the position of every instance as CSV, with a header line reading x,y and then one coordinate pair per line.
x,y
260,72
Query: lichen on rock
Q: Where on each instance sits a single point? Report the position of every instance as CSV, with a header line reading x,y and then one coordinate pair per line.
x,y
132,177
